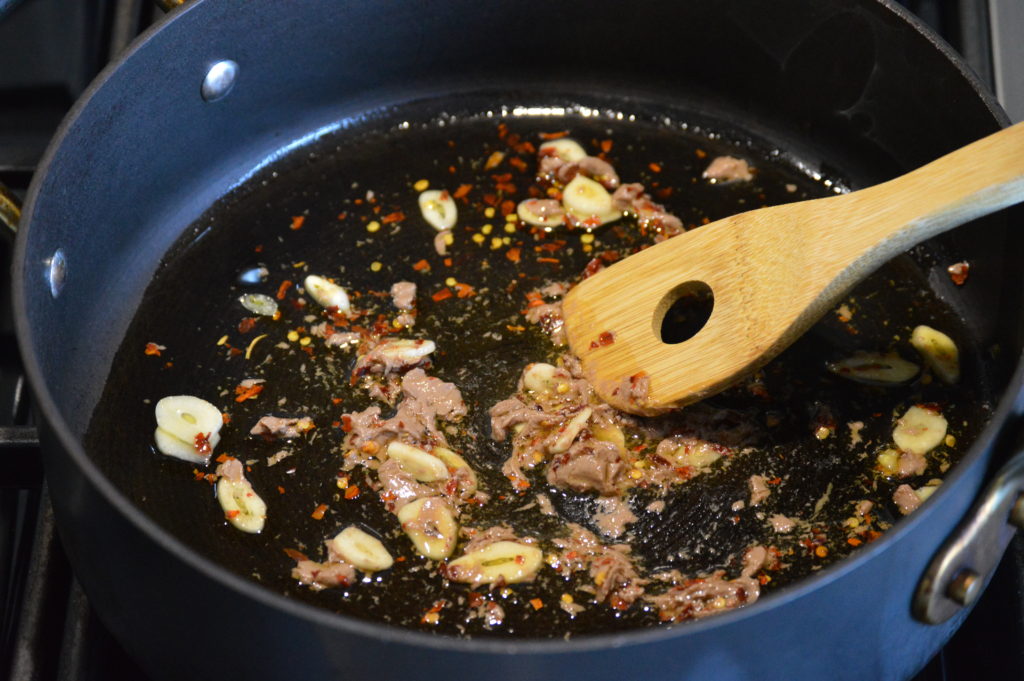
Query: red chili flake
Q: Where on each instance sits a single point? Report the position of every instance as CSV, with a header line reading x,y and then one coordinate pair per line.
x,y
352,491
397,216
494,159
421,265
280,490
534,298
231,514
664,192
342,215
853,541
502,130
958,272
198,474
258,249
242,393
222,458
283,288
447,262
443,294
606,146
225,418
520,559
518,163
554,135
508,206
295,554
297,221
462,191
550,247
202,444
655,168
246,325
464,290
513,254
606,338
700,153
556,261
515,329
318,512
506,187
154,349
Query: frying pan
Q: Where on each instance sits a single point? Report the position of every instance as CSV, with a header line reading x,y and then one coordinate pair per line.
x,y
858,87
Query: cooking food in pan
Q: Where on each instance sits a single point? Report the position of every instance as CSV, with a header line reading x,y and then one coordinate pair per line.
x,y
360,395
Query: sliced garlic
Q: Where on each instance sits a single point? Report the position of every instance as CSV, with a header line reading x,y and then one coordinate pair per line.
x,y
697,454
939,351
438,209
430,525
418,463
364,551
570,430
179,449
569,150
875,369
919,430
540,377
540,212
508,561
327,293
257,303
186,418
462,468
589,202
928,489
404,351
242,506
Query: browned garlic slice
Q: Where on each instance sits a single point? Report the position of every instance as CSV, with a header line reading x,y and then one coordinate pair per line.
x,y
696,454
438,209
430,525
875,369
188,427
939,351
406,351
920,430
327,293
243,508
569,150
590,202
508,561
458,464
610,433
418,463
570,430
364,551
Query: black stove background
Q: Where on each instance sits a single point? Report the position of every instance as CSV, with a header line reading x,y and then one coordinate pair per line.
x,y
49,51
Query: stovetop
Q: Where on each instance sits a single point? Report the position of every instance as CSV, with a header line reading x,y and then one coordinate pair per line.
x,y
49,51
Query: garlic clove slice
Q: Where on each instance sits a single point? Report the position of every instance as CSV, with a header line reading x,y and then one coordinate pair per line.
x,y
418,463
462,469
186,417
541,212
430,525
327,293
508,561
589,202
243,508
179,449
364,551
939,352
438,209
570,430
406,350
257,303
920,430
540,377
565,148
875,369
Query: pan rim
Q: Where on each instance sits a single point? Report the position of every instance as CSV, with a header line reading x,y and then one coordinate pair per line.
x,y
976,454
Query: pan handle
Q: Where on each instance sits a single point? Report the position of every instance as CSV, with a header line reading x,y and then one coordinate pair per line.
x,y
10,209
963,566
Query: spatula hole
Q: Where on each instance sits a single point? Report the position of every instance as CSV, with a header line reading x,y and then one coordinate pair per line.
x,y
687,309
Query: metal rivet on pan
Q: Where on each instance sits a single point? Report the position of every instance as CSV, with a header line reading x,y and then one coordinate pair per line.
x,y
965,588
219,79
57,269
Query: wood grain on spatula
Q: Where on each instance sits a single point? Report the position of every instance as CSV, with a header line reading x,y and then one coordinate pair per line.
x,y
773,272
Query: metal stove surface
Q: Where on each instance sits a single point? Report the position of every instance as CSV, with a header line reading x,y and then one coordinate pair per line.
x,y
47,629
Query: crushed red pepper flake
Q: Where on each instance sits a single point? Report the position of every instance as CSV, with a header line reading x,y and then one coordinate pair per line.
x,y
513,254
154,349
494,159
464,290
397,216
243,393
295,554
283,288
462,191
518,163
554,135
443,294
536,603
297,221
958,272
247,324
352,491
421,265
606,146
318,512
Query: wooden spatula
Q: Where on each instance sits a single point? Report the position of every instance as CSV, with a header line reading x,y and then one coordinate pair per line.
x,y
773,272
